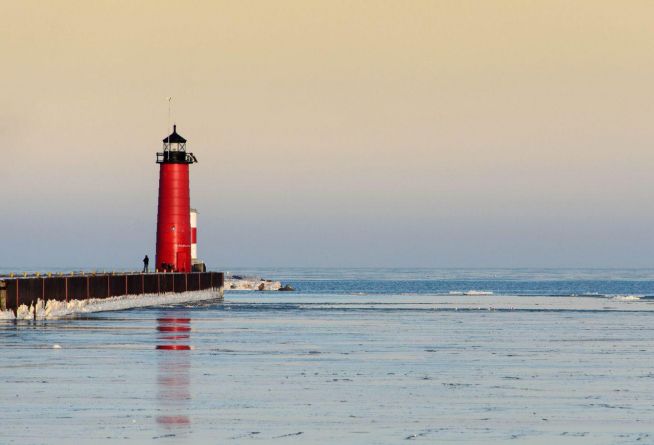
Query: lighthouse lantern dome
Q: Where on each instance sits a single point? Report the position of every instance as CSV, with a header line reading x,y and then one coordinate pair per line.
x,y
174,150
174,141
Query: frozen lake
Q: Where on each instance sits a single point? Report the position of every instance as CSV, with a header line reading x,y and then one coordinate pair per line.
x,y
337,367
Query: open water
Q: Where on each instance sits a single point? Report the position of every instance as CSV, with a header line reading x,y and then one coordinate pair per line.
x,y
353,356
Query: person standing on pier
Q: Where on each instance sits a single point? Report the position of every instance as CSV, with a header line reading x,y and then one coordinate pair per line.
x,y
146,262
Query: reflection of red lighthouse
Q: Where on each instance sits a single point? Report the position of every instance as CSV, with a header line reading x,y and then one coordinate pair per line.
x,y
174,376
173,222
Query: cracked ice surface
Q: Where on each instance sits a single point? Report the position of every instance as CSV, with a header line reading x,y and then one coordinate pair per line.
x,y
321,368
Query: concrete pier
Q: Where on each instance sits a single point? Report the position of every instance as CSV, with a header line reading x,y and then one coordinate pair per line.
x,y
16,291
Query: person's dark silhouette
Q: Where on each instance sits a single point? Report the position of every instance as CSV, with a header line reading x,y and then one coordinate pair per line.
x,y
146,262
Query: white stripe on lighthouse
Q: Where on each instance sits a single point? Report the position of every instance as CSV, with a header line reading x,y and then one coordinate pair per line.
x,y
194,235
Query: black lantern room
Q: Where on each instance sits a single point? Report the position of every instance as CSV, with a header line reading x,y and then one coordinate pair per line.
x,y
174,150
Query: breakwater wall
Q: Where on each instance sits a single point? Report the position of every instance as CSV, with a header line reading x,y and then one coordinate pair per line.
x,y
17,291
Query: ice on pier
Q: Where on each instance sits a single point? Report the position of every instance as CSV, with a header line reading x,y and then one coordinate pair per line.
x,y
53,309
6,315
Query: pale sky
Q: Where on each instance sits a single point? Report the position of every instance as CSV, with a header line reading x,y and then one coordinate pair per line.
x,y
332,133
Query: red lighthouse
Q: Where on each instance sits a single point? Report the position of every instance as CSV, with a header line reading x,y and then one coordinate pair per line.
x,y
173,221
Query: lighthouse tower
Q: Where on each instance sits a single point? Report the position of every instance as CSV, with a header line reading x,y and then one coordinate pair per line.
x,y
173,221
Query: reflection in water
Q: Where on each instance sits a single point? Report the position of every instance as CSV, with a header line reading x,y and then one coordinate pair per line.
x,y
174,366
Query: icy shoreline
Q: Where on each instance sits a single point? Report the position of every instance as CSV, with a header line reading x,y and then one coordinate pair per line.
x,y
53,309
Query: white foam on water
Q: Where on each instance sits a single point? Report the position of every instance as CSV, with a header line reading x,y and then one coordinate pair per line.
x,y
478,292
470,292
53,309
626,297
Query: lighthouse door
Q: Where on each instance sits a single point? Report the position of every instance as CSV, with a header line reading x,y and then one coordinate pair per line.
x,y
181,262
